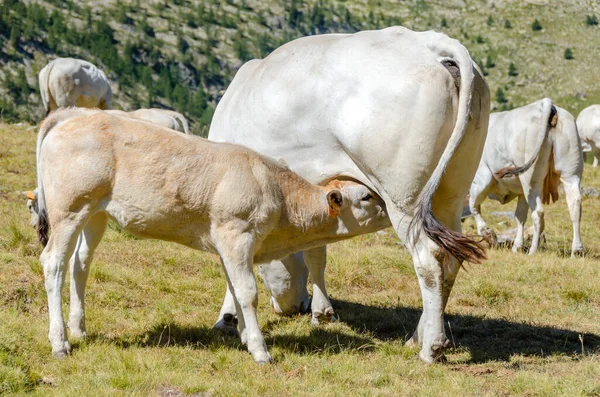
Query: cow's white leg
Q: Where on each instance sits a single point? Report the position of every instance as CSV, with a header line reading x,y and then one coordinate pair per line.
x,y
236,253
316,260
478,192
537,215
54,260
435,290
573,193
521,216
595,155
227,321
80,268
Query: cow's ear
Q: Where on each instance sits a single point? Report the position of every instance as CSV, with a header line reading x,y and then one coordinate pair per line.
x,y
335,200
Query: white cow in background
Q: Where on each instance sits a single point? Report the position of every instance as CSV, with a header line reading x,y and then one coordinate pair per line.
x,y
588,126
68,82
404,113
543,139
157,183
163,117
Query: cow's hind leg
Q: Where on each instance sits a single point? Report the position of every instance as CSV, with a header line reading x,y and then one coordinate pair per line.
x,y
436,273
80,268
316,260
54,260
537,214
573,193
521,217
478,192
227,322
236,253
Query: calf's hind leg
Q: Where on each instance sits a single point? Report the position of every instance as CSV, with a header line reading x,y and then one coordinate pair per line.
x,y
80,268
54,260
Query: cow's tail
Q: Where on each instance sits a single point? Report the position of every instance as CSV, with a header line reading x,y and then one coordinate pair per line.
x,y
549,120
43,226
182,123
44,80
452,242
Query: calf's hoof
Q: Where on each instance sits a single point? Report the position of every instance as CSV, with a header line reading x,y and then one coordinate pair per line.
x,y
319,317
227,325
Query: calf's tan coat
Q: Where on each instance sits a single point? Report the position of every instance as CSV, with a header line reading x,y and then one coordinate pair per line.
x,y
157,183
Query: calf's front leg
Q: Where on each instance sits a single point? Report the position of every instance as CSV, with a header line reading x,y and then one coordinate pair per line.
x,y
237,256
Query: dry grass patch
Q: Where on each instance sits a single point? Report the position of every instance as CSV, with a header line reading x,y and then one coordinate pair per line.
x,y
519,324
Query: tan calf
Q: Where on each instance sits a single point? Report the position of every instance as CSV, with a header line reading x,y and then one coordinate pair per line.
x,y
157,183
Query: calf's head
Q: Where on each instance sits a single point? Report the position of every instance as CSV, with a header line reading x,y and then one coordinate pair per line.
x,y
32,206
357,209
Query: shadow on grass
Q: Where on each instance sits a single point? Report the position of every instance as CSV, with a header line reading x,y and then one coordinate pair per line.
x,y
485,339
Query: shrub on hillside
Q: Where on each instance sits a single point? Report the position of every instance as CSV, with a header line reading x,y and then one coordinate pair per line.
x,y
568,53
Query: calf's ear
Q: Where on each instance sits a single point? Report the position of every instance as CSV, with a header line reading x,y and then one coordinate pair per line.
x,y
30,195
335,200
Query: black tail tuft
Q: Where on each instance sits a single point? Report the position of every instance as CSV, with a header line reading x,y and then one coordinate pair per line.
x,y
43,227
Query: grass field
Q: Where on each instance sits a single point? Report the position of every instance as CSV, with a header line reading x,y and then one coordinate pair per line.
x,y
519,325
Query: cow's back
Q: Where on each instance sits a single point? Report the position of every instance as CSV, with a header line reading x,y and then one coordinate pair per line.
x,y
512,136
377,106
588,124
75,82
568,156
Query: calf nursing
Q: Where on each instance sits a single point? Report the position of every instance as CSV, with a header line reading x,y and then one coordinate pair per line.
x,y
157,183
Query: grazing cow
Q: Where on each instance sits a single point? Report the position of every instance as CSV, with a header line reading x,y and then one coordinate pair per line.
x,y
588,126
163,117
157,183
404,113
543,138
68,82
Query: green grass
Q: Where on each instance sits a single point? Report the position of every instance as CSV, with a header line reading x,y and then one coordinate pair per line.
x,y
518,325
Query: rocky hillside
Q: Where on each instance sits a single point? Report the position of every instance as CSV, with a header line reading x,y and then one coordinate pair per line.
x,y
182,54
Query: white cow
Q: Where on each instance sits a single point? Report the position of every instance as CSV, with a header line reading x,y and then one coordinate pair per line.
x,y
403,112
588,126
527,151
68,82
163,117
157,183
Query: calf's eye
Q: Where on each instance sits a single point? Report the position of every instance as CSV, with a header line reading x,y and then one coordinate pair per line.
x,y
367,197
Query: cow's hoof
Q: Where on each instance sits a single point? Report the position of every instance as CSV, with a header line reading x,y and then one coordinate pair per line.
x,y
435,353
578,252
490,237
227,325
517,248
262,358
327,316
77,333
412,342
